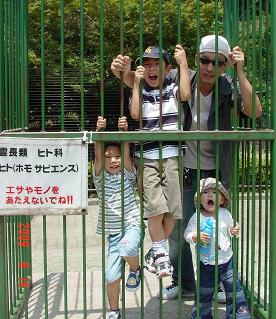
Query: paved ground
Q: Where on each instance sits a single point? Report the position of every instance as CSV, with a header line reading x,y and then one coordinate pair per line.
x,y
55,276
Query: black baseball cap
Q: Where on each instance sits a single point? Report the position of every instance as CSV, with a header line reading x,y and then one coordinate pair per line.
x,y
154,53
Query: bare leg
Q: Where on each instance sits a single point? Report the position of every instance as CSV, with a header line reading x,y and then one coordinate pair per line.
x,y
156,229
113,291
168,226
133,262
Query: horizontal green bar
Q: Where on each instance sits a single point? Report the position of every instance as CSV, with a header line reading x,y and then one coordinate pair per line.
x,y
45,134
235,135
141,136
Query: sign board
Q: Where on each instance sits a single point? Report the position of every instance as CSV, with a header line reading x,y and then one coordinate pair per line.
x,y
41,176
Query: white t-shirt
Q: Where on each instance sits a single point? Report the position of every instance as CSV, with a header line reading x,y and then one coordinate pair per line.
x,y
225,221
207,154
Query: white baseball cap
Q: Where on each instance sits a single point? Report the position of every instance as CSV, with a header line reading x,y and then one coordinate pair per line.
x,y
208,44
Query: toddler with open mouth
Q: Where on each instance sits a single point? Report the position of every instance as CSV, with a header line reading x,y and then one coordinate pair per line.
x,y
209,219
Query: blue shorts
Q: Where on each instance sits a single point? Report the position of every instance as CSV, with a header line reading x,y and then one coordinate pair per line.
x,y
119,247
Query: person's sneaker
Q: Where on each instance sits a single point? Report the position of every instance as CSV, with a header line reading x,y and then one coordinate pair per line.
x,y
149,260
114,315
221,294
163,265
171,292
133,280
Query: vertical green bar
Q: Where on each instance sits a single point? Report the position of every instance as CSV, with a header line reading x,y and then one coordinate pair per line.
x,y
26,62
9,87
198,158
14,266
160,37
4,306
122,53
123,296
9,239
45,266
267,152
102,152
82,128
84,266
17,66
272,284
247,261
242,209
6,70
12,80
253,182
2,108
42,63
180,172
62,128
62,62
102,54
65,266
22,73
266,227
141,160
260,246
82,61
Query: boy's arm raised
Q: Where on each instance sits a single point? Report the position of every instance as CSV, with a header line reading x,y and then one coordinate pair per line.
x,y
101,124
134,103
184,89
123,126
123,64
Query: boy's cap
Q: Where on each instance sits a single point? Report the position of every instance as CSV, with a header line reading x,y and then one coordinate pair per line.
x,y
210,182
153,53
208,44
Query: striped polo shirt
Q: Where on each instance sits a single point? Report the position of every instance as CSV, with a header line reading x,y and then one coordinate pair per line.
x,y
151,119
113,209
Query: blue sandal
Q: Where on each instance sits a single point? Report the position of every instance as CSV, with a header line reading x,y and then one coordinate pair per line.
x,y
133,280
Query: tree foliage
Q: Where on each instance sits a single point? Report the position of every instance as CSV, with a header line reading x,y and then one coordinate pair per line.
x,y
111,27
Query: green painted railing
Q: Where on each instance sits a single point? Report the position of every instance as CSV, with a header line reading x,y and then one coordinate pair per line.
x,y
15,251
250,24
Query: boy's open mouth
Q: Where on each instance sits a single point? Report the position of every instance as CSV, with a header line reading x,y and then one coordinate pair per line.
x,y
153,77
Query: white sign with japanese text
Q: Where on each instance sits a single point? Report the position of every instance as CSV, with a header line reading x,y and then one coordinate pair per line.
x,y
41,176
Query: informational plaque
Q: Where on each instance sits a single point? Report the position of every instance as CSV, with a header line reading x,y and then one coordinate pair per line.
x,y
40,176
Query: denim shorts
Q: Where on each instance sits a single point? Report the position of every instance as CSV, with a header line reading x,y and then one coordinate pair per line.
x,y
119,247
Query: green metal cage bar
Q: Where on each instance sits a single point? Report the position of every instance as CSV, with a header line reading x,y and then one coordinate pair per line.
x,y
15,265
15,113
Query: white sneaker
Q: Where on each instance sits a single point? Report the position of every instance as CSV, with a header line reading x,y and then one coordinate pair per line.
x,y
163,266
114,315
170,292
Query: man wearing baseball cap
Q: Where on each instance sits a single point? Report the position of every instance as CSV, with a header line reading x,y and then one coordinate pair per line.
x,y
206,85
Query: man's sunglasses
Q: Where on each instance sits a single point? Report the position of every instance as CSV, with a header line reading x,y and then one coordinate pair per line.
x,y
207,62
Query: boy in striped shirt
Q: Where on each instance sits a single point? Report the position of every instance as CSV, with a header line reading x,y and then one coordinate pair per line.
x,y
161,189
121,243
